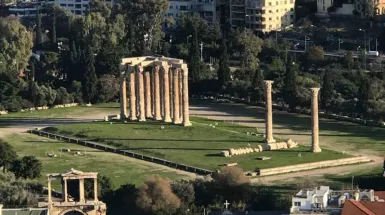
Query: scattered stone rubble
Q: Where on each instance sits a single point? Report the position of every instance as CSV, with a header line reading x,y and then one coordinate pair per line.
x,y
288,144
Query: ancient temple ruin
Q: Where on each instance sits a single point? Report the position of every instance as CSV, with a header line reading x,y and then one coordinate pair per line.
x,y
67,205
158,89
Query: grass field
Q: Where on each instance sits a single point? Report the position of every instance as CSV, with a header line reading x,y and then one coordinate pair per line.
x,y
119,169
198,145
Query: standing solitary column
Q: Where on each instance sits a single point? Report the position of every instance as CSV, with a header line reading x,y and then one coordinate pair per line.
x,y
166,95
142,116
132,97
176,118
49,191
314,121
157,94
123,96
269,113
148,94
186,106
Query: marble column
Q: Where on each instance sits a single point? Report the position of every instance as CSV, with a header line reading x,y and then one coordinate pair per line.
x,y
123,96
171,93
96,189
81,190
176,117
49,191
185,95
157,94
314,121
148,94
180,85
65,192
142,115
269,112
132,97
166,93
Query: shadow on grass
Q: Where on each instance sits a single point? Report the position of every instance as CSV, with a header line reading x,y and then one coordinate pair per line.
x,y
296,122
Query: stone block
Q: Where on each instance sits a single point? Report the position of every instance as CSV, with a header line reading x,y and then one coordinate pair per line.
x,y
260,148
272,146
225,153
232,151
230,164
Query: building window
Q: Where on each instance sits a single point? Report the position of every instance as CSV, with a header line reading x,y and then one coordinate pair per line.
x,y
297,203
63,5
291,1
285,2
291,9
276,3
269,3
277,18
78,6
324,8
269,18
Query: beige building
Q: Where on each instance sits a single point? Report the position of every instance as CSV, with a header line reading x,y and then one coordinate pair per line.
x,y
262,15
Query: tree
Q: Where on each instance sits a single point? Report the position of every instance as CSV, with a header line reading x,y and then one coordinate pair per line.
x,y
327,90
247,46
315,55
54,42
185,191
155,196
90,79
276,72
224,66
146,18
76,91
15,192
291,86
348,60
231,176
258,86
364,93
62,96
28,167
104,187
194,58
108,88
39,36
15,45
7,154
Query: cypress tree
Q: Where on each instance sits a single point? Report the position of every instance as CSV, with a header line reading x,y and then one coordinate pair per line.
x,y
258,85
327,90
54,29
224,66
38,27
194,57
90,78
290,86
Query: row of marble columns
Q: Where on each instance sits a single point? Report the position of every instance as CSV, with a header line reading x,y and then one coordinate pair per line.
x,y
64,182
162,94
314,116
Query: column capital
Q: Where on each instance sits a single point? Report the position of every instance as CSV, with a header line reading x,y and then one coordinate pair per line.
x,y
139,69
268,83
315,90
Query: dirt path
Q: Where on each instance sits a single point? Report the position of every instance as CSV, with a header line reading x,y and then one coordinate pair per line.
x,y
254,117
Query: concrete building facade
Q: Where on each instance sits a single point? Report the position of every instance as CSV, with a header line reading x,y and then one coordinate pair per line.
x,y
262,15
177,8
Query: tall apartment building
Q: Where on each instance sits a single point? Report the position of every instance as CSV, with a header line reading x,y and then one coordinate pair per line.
x,y
262,15
79,7
205,8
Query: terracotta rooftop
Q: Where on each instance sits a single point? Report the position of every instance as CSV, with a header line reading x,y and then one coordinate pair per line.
x,y
352,207
380,194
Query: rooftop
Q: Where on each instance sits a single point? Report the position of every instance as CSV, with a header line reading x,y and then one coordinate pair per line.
x,y
353,207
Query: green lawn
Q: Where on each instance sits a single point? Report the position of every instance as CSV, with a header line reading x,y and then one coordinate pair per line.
x,y
198,145
118,168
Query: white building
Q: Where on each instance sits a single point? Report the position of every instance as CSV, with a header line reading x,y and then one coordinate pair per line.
x,y
310,199
205,8
79,7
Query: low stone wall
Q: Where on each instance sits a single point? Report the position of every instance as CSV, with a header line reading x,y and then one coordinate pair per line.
x,y
46,107
314,165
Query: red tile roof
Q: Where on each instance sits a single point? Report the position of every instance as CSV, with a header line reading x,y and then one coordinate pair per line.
x,y
380,194
352,207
